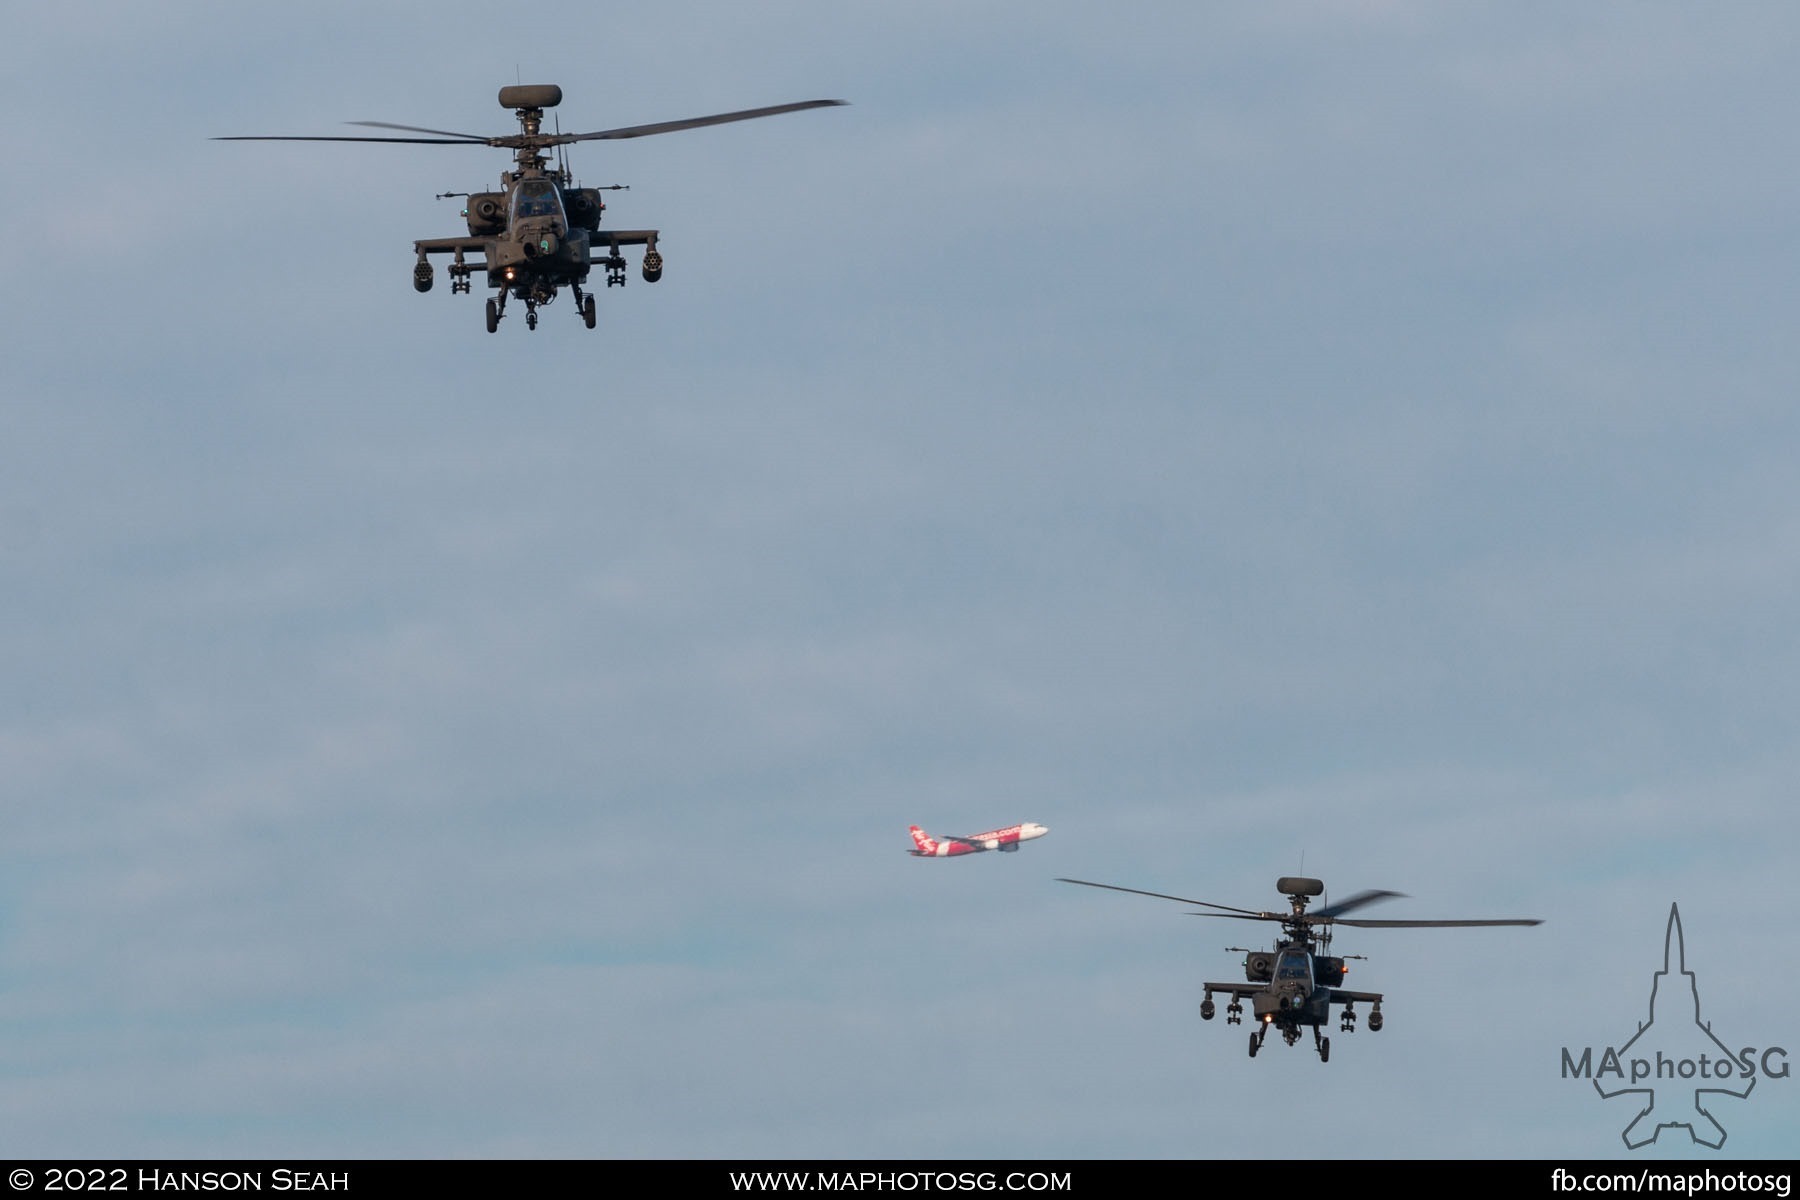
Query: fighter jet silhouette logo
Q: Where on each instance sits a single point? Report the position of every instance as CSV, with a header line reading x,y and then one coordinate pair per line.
x,y
1684,1054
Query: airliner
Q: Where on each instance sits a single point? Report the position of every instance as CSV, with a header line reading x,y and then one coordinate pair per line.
x,y
926,846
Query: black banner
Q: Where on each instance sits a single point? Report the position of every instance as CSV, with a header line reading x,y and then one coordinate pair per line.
x,y
40,1178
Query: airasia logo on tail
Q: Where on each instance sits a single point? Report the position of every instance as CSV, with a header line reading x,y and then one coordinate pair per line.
x,y
926,846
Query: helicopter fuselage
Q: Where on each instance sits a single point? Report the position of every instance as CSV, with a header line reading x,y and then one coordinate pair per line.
x,y
1290,988
535,237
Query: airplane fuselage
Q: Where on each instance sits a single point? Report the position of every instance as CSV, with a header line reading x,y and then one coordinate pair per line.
x,y
1007,839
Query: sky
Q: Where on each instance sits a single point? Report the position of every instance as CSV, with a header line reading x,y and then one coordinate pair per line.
x,y
1342,439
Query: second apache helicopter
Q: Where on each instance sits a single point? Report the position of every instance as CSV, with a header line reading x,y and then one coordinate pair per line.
x,y
539,233
1295,984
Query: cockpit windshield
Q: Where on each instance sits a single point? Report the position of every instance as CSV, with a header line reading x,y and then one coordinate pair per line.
x,y
537,198
1293,965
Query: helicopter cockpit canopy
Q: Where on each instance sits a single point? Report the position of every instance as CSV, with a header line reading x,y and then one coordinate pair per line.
x,y
534,198
1294,966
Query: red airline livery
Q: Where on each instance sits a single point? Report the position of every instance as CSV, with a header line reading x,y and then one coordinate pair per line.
x,y
926,846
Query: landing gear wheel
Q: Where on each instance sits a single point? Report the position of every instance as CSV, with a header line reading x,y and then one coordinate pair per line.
x,y
530,319
1325,1050
587,310
1255,1045
493,315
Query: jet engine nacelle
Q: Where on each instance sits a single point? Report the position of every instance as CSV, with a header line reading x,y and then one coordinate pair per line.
x,y
1259,968
1328,972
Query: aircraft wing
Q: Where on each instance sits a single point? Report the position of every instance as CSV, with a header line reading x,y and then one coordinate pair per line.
x,y
1237,991
1339,996
465,245
623,237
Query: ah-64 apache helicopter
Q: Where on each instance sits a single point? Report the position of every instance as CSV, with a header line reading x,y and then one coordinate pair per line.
x,y
539,233
1295,984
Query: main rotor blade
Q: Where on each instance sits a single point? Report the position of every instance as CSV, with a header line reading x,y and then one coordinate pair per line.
x,y
1163,896
1367,923
632,131
467,137
1244,916
1355,902
515,141
455,141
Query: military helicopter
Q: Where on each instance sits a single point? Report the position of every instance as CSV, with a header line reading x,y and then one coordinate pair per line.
x,y
539,233
1295,984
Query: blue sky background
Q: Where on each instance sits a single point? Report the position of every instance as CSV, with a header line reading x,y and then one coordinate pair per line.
x,y
1349,439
